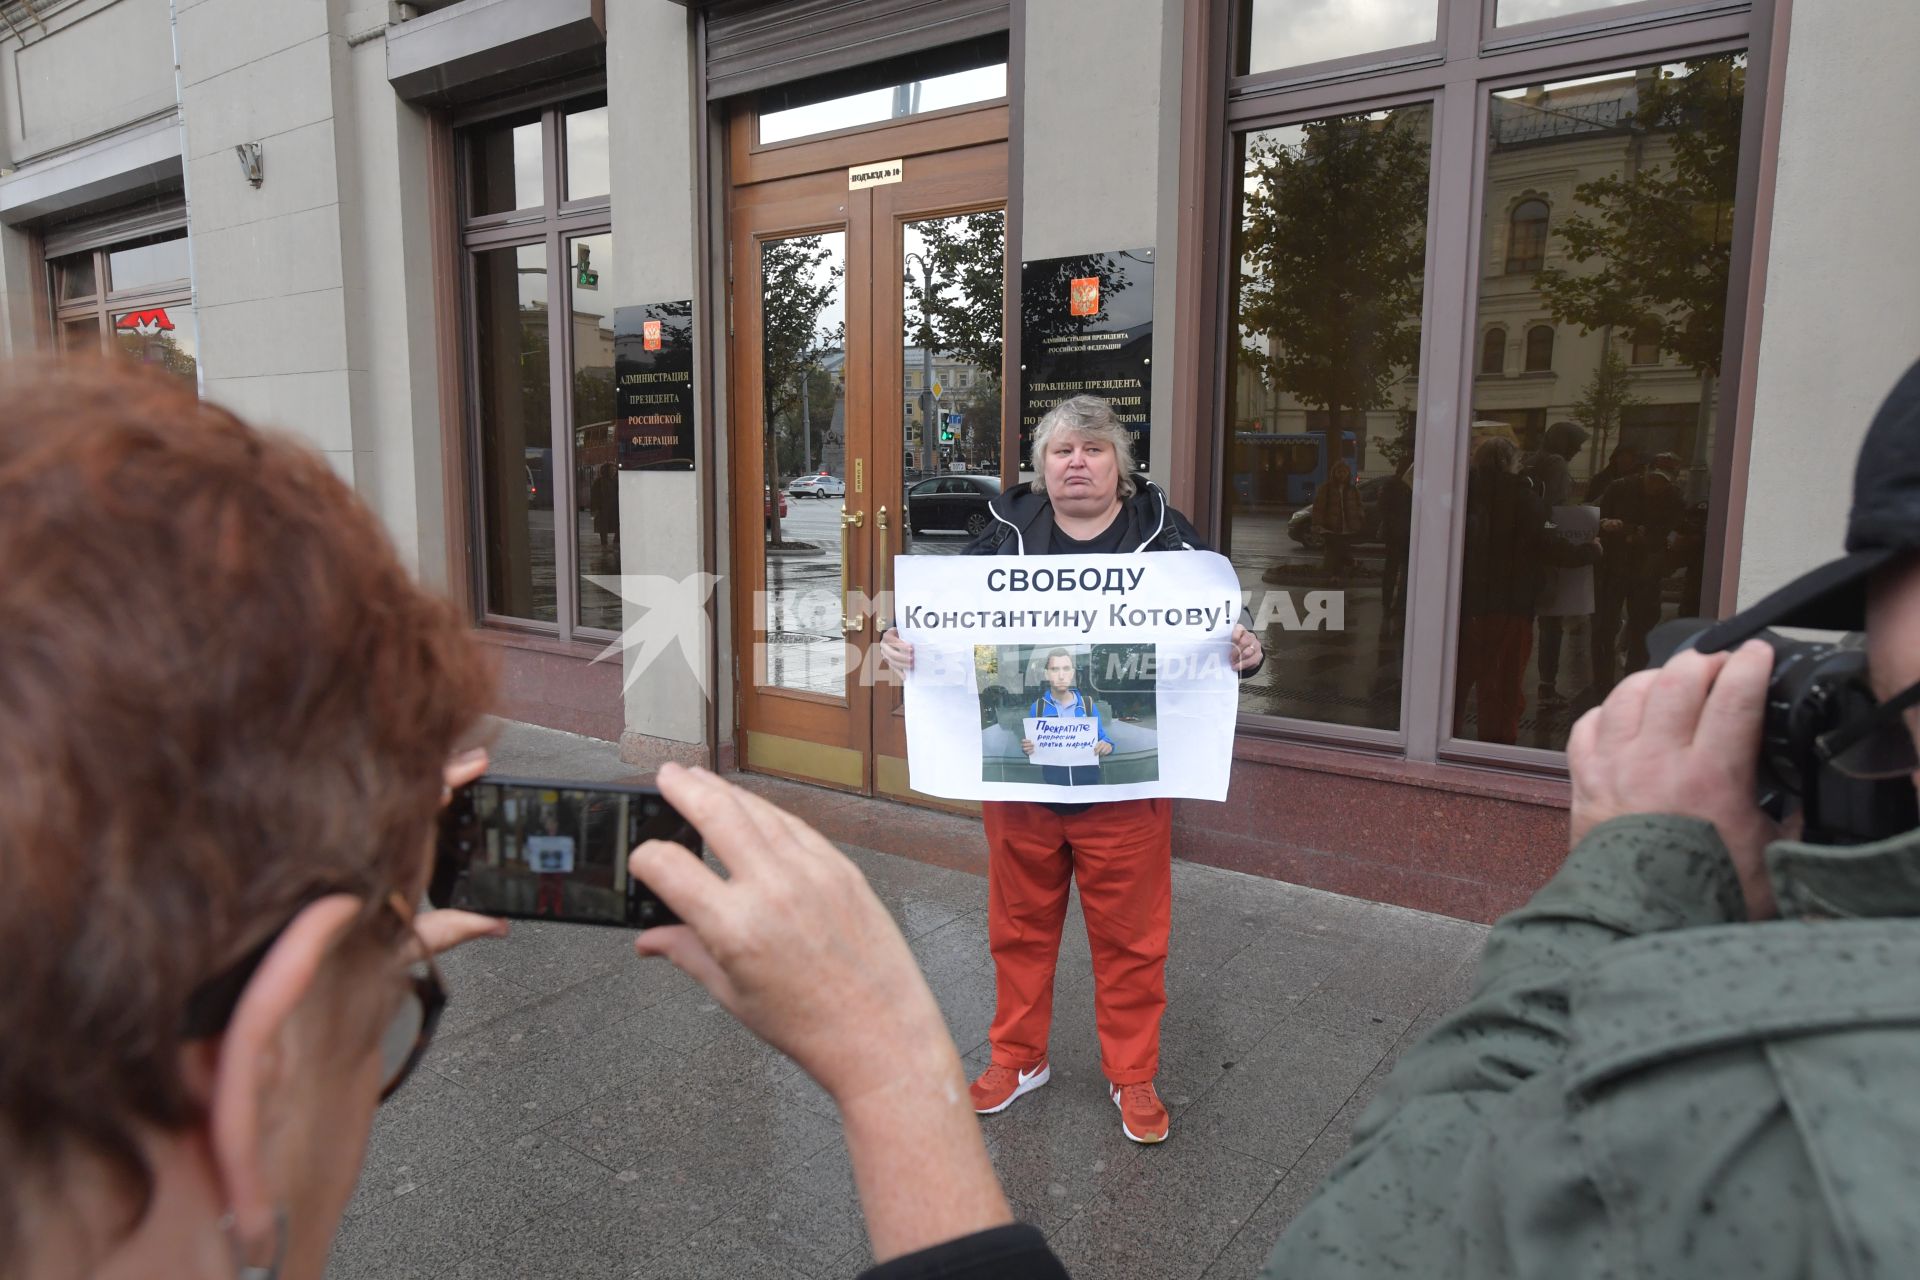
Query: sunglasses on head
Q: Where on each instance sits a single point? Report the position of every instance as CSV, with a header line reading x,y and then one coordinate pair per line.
x,y
402,1044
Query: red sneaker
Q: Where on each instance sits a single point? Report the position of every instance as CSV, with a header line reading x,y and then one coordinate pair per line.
x,y
998,1086
1142,1117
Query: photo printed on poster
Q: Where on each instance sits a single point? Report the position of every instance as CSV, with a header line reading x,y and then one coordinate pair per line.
x,y
1069,678
653,386
1086,327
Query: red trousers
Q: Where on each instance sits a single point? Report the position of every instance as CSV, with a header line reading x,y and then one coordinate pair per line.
x,y
1121,855
1492,664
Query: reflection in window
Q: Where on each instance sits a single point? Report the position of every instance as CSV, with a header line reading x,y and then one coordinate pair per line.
x,y
1286,33
803,417
80,336
953,297
1527,237
1540,349
160,261
596,472
1330,274
515,408
586,141
76,276
1641,256
160,335
505,167
1509,12
916,97
1493,352
132,297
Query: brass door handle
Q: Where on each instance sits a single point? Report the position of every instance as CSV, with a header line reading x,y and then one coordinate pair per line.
x,y
883,573
849,623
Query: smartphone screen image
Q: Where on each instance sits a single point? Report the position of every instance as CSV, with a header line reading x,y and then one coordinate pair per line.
x,y
552,850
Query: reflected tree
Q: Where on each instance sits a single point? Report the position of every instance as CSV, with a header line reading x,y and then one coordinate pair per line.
x,y
1660,234
1604,403
956,303
1333,246
799,279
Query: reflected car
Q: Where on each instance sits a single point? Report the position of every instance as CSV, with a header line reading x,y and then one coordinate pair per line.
x,y
956,502
1300,523
767,505
820,486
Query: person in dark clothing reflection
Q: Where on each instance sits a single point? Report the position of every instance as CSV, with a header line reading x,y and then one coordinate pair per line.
x,y
1510,543
1639,517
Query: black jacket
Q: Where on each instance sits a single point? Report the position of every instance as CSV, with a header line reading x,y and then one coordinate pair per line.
x,y
1023,524
1510,543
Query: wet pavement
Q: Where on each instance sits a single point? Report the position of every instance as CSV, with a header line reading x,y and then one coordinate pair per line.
x,y
587,1114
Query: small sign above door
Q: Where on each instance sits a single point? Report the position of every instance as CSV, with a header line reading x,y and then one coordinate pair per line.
x,y
877,174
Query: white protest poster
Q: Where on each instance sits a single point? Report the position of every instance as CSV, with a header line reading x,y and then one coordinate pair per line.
x,y
1134,647
1568,592
550,855
1068,742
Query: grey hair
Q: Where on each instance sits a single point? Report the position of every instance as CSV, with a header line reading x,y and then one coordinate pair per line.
x,y
1089,416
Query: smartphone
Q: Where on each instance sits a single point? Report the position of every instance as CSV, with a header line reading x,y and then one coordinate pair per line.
x,y
538,849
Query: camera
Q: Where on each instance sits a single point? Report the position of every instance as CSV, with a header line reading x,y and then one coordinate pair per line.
x,y
1815,687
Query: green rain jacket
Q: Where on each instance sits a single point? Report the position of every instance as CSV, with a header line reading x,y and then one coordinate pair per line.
x,y
1643,1085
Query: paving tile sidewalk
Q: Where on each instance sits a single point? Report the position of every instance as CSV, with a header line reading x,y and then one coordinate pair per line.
x,y
585,1114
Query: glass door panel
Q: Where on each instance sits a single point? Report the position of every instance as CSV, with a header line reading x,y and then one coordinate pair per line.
x,y
803,401
938,386
596,473
953,274
516,443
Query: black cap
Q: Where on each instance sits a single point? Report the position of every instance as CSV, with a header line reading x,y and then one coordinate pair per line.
x,y
1885,522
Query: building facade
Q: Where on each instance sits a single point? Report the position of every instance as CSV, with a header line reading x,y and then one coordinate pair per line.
x,y
437,240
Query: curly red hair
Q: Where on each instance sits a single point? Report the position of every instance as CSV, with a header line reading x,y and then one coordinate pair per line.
x,y
221,694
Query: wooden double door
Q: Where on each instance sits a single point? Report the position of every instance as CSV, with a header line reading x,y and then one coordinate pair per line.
x,y
866,347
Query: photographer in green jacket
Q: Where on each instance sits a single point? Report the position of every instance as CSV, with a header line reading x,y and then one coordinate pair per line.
x,y
1696,1052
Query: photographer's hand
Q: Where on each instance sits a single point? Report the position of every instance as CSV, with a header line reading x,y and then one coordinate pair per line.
x,y
443,930
795,945
1683,739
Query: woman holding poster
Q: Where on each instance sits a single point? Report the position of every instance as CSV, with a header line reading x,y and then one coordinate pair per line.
x,y
1086,500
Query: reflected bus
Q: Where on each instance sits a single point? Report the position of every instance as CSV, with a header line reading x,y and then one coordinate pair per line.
x,y
1281,468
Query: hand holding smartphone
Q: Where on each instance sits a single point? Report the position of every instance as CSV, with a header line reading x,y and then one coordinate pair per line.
x,y
527,848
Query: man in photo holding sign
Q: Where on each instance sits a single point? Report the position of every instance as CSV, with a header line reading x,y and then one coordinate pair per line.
x,y
1063,731
1085,502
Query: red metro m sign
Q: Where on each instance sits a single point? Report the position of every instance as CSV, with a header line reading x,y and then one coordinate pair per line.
x,y
146,323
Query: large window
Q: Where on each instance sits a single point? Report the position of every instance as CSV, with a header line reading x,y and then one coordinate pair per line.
x,y
1326,328
132,296
1464,583
536,231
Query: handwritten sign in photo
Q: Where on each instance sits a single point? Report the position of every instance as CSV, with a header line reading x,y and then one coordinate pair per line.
x,y
1068,742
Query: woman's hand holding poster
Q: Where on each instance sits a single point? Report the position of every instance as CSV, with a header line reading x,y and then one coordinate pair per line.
x,y
1069,678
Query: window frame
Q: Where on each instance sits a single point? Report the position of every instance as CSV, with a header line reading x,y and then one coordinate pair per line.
x,y
101,305
1527,364
553,225
1499,353
1471,61
1517,266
